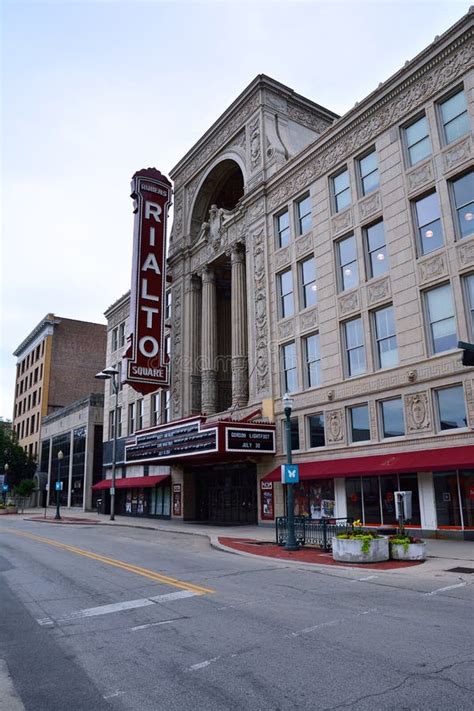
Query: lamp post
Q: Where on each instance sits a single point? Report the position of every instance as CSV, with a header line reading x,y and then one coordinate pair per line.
x,y
5,483
111,374
291,544
58,486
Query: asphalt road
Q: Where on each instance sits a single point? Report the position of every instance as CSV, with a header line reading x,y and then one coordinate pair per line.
x,y
117,618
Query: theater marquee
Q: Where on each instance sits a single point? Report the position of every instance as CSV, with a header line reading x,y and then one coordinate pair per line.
x,y
146,368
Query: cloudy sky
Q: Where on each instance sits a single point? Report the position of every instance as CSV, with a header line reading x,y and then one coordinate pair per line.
x,y
92,91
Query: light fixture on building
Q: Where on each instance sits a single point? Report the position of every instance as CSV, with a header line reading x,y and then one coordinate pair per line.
x,y
347,271
111,374
469,216
380,256
429,233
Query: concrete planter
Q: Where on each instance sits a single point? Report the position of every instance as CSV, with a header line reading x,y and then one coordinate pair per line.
x,y
8,510
414,551
349,550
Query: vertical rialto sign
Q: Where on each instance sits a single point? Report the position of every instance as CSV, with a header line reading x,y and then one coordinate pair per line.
x,y
145,358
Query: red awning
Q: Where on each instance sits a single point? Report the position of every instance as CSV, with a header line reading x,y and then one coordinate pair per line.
x,y
132,482
425,460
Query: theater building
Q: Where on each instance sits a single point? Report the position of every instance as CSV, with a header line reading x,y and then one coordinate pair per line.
x,y
331,258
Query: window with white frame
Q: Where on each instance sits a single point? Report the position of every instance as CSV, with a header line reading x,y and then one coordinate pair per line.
x,y
155,409
119,376
140,414
167,406
369,172
451,407
312,358
463,193
359,424
294,432
303,211
283,229
341,190
385,337
347,262
285,288
454,117
131,418
315,424
114,339
121,336
167,348
168,305
469,290
442,322
308,288
417,140
111,424
391,418
289,368
119,422
376,249
428,219
355,346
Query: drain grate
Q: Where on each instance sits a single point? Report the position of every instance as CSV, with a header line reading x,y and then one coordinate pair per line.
x,y
460,570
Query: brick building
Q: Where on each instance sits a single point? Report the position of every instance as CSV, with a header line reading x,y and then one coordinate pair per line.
x,y
56,364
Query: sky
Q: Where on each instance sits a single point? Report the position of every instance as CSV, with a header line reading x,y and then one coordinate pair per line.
x,y
93,91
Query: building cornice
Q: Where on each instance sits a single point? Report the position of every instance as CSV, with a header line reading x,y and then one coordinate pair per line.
x,y
46,324
121,301
92,400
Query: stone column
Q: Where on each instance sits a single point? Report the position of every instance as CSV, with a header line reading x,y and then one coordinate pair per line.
x,y
208,343
193,367
240,380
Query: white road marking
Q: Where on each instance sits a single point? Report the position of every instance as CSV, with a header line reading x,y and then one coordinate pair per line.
x,y
115,693
151,624
368,577
120,606
330,623
203,665
448,587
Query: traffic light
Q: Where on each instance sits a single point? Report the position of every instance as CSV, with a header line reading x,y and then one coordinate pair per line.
x,y
468,352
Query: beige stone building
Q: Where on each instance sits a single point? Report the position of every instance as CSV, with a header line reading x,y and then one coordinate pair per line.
x,y
56,364
331,258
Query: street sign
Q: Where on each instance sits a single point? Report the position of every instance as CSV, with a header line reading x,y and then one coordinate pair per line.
x,y
290,473
5,487
59,486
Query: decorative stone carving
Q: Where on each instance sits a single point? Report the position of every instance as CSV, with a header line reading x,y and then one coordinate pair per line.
x,y
342,221
420,176
378,291
432,268
457,154
331,395
304,244
256,209
309,319
417,412
261,320
282,257
275,101
349,303
238,142
435,75
308,119
255,147
412,376
370,205
286,328
176,394
335,425
465,251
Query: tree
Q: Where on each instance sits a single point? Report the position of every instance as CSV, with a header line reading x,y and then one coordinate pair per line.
x,y
20,464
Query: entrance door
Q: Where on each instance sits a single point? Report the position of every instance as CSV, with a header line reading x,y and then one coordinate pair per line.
x,y
228,497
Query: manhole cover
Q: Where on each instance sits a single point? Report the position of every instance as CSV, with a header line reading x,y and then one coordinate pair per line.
x,y
460,570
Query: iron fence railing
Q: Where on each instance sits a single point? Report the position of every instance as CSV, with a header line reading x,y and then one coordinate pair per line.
x,y
314,532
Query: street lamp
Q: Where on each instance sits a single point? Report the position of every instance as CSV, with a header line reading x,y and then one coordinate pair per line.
x,y
58,486
291,544
111,374
5,483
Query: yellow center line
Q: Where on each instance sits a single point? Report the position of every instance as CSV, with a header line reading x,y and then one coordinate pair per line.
x,y
158,577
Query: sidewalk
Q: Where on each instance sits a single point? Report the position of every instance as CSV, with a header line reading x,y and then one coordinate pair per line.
x,y
441,554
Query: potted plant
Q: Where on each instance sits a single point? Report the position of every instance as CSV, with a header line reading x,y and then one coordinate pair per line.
x,y
404,547
359,546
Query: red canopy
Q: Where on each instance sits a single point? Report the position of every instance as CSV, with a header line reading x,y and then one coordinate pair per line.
x,y
132,482
424,460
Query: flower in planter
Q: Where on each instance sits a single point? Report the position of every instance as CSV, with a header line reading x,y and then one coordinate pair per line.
x,y
404,541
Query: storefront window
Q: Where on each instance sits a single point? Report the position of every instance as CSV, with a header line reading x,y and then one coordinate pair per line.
x,y
60,443
409,482
78,464
448,512
315,498
466,487
388,486
354,498
372,499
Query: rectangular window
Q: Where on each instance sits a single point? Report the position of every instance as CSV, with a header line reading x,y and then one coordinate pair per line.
x,y
168,305
139,414
341,190
316,430
131,418
111,425
417,141
387,351
469,284
167,407
442,323
285,287
119,376
428,218
303,208
369,172
289,371
355,347
167,348
119,422
463,191
347,262
283,229
451,408
359,423
307,271
391,413
155,409
312,361
114,339
454,117
295,434
376,249
121,336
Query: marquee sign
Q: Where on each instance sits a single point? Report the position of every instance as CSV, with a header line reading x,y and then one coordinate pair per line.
x,y
244,439
147,368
